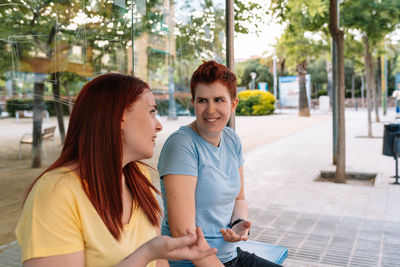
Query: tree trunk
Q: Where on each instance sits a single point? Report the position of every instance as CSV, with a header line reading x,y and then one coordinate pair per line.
x,y
368,59
340,176
38,105
374,93
330,75
68,96
338,36
304,110
282,66
59,112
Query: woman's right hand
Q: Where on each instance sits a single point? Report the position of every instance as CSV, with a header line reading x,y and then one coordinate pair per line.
x,y
187,247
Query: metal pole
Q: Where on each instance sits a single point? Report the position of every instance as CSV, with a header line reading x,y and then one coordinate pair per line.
x,y
171,92
384,83
230,62
335,89
334,99
171,84
275,81
133,40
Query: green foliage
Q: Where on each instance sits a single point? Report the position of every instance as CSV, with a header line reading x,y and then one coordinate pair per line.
x,y
397,64
322,92
296,48
255,103
354,53
51,108
319,76
181,104
309,15
253,65
247,12
374,19
15,104
306,33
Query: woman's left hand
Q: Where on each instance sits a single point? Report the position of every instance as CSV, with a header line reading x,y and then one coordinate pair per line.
x,y
239,232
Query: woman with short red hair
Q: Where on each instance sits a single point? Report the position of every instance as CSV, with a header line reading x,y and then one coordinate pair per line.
x,y
95,205
201,170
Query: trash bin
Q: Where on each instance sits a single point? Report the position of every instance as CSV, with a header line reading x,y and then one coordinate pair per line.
x,y
324,104
391,144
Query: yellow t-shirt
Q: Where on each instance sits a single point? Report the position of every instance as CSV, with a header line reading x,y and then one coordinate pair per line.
x,y
58,218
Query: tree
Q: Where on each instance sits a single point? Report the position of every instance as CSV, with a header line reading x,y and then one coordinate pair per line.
x,y
374,19
354,62
40,34
253,65
297,51
317,70
299,43
338,38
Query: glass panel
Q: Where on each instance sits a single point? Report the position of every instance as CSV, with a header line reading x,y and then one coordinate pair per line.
x,y
46,45
172,39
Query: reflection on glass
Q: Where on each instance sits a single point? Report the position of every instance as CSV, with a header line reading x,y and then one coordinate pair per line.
x,y
50,49
82,39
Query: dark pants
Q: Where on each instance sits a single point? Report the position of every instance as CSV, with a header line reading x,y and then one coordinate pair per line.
x,y
246,259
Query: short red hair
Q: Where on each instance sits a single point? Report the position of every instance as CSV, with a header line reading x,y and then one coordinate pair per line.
x,y
210,72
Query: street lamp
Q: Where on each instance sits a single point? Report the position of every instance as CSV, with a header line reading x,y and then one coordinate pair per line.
x,y
253,76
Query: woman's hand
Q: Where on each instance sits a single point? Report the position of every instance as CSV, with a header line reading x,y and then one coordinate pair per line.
x,y
239,232
188,247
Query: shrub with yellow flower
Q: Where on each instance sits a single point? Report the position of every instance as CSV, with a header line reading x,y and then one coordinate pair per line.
x,y
255,103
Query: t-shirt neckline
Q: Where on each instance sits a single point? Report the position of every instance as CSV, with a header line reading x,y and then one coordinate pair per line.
x,y
203,140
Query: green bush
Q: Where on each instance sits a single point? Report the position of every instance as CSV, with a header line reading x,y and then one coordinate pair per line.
x,y
15,104
181,103
322,92
255,103
50,106
162,107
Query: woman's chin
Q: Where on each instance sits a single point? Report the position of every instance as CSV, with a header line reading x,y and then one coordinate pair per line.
x,y
149,155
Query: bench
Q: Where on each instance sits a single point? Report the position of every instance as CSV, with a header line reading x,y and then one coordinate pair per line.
x,y
27,138
19,114
267,251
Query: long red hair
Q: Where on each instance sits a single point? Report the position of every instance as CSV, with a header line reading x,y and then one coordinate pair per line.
x,y
94,142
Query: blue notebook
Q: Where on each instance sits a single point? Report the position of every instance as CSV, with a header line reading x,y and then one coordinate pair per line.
x,y
267,251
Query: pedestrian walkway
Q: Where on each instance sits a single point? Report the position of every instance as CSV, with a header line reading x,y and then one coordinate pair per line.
x,y
321,223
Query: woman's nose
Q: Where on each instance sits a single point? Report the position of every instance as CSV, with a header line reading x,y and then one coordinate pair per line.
x,y
159,126
211,108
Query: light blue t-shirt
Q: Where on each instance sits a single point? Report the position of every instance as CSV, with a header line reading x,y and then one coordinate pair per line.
x,y
218,182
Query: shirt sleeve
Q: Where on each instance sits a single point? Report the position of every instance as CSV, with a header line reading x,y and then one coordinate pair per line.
x,y
238,147
178,156
239,152
50,224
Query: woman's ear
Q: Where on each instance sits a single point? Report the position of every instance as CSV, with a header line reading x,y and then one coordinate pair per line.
x,y
123,122
235,102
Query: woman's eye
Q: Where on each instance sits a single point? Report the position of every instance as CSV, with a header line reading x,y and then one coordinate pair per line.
x,y
153,111
201,101
219,100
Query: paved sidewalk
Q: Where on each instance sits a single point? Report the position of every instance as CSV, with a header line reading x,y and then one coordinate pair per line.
x,y
321,223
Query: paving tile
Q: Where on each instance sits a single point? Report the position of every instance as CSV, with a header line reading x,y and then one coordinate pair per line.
x,y
322,224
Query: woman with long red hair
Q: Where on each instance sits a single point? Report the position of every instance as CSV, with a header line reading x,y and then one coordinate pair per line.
x,y
95,205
